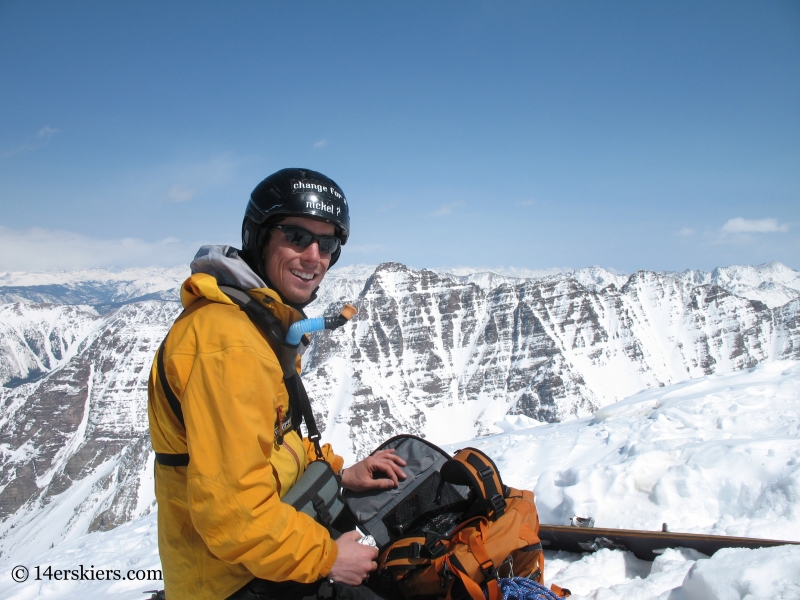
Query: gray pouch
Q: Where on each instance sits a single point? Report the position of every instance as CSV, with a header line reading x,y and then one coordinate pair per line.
x,y
316,493
390,514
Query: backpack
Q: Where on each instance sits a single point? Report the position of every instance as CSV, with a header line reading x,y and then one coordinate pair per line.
x,y
451,529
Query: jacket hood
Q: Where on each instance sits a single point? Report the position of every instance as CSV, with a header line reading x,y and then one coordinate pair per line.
x,y
225,265
221,265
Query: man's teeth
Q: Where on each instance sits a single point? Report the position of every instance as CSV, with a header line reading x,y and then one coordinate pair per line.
x,y
301,275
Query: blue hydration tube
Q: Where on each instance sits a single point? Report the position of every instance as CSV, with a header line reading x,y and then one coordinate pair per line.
x,y
299,329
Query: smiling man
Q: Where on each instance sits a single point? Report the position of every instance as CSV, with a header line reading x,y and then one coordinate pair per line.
x,y
227,449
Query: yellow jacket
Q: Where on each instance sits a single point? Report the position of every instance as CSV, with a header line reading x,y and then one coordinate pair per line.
x,y
220,520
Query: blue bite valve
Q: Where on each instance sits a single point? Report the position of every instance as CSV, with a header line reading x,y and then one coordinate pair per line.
x,y
299,329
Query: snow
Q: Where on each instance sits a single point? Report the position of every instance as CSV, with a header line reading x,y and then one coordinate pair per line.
x,y
132,546
716,455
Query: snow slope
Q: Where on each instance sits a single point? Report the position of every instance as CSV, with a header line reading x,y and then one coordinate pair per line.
x,y
719,455
716,455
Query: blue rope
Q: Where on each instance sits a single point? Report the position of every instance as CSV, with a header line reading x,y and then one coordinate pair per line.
x,y
521,588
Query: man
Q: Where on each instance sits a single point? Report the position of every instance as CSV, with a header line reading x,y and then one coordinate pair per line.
x,y
223,461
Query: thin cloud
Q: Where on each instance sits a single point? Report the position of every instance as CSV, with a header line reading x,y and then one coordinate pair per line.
x,y
39,140
181,181
180,193
446,209
320,143
387,207
740,225
686,232
47,132
525,203
41,249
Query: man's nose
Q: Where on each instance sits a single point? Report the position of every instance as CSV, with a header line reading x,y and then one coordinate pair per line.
x,y
311,253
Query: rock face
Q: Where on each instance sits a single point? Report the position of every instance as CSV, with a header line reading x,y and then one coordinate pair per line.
x,y
444,357
438,354
75,448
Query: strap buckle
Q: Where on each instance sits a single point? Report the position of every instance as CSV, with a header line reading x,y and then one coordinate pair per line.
x,y
414,550
486,472
314,438
324,515
489,572
434,545
498,504
445,575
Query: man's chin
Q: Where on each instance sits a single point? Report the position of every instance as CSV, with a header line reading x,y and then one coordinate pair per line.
x,y
296,296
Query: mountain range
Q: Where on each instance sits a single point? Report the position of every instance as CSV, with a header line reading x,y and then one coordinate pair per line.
x,y
446,354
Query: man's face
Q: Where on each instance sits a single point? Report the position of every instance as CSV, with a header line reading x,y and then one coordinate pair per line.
x,y
295,271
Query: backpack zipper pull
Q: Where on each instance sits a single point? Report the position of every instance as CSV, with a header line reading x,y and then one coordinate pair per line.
x,y
279,437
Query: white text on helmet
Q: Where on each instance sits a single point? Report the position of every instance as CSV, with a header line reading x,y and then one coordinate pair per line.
x,y
310,186
317,205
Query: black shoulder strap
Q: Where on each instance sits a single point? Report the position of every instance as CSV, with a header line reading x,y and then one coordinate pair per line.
x,y
174,403
169,460
265,320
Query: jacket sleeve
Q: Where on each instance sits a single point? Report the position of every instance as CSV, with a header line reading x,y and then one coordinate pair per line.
x,y
334,460
229,410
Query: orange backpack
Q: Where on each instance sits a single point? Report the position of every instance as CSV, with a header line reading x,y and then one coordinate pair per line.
x,y
451,529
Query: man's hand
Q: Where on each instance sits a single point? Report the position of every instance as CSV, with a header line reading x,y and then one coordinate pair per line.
x,y
355,561
381,471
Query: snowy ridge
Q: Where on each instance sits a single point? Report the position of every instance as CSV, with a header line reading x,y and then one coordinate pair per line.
x,y
93,286
551,349
718,454
772,283
151,275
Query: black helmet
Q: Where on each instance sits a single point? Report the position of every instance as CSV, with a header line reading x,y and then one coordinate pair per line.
x,y
293,192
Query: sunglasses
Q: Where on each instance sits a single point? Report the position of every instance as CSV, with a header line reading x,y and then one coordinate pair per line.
x,y
297,236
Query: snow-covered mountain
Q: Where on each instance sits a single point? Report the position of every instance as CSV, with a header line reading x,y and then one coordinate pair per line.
x,y
103,288
442,354
718,454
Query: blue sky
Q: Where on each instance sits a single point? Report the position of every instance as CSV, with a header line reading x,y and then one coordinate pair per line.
x,y
631,135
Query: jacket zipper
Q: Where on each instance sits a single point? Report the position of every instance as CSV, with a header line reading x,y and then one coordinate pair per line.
x,y
296,459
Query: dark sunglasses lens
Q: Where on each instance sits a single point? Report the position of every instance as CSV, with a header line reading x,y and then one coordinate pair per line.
x,y
298,236
328,244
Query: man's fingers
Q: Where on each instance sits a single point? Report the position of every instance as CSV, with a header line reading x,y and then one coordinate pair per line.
x,y
387,468
389,454
386,483
400,473
392,470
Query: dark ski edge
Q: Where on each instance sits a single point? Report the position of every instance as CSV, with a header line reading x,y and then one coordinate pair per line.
x,y
646,545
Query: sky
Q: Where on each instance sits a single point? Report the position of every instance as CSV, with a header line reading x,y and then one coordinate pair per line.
x,y
630,135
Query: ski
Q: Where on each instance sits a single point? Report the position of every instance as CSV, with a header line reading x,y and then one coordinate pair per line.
x,y
646,545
